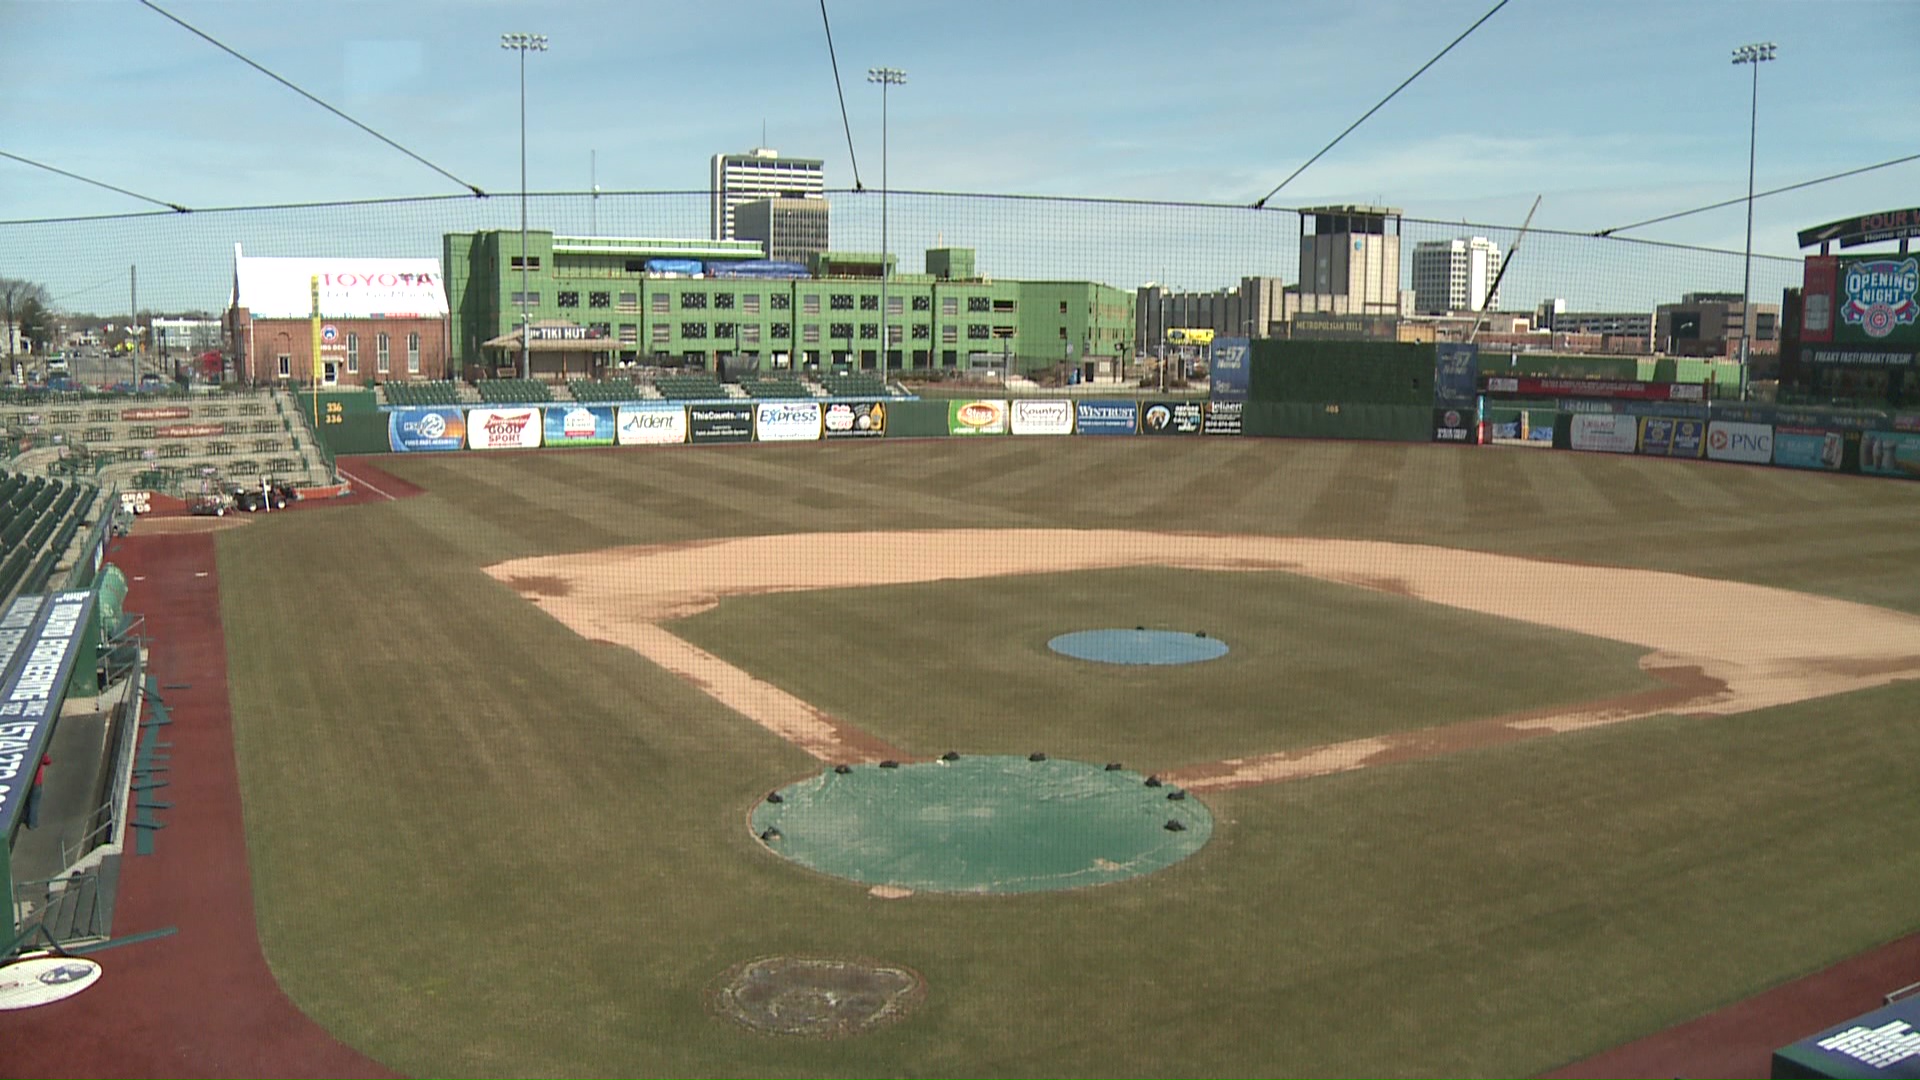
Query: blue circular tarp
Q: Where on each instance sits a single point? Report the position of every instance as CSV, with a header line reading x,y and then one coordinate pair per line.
x,y
1139,646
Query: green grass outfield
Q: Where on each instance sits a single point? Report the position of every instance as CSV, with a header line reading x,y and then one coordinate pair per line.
x,y
482,845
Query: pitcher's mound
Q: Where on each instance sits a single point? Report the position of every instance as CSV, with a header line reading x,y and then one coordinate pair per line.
x,y
790,995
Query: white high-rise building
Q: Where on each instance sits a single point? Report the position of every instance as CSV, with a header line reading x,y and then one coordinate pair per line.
x,y
760,173
1455,275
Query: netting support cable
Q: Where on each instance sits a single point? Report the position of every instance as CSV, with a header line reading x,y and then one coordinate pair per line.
x,y
1758,195
840,90
175,207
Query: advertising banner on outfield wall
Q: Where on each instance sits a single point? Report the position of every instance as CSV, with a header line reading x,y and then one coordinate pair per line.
x,y
1228,367
1455,371
44,660
1172,418
1224,417
1664,436
651,425
579,425
1032,417
976,418
1105,417
786,421
412,430
1809,448
503,429
1455,425
1532,387
1890,453
720,423
1611,433
1729,440
854,419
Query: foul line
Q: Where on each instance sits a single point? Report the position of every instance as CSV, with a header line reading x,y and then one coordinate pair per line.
x,y
370,486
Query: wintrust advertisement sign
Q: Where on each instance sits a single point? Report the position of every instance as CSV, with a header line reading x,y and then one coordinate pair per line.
x,y
1734,441
1106,417
1609,433
976,418
579,425
503,429
854,419
786,421
1042,417
651,425
415,430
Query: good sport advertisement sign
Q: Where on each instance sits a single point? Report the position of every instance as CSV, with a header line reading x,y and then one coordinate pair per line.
x,y
503,429
1032,417
1729,440
854,419
579,425
976,418
652,425
1106,417
414,430
786,421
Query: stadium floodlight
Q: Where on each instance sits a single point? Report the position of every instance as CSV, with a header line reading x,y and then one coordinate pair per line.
x,y
523,44
886,77
1754,56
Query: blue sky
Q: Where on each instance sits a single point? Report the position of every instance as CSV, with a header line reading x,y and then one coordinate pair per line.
x,y
1612,111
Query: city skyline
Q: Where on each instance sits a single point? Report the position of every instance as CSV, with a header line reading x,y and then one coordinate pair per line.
x,y
1136,115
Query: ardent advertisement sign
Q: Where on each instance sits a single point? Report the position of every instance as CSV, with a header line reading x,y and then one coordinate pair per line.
x,y
1172,418
720,423
1224,417
1809,448
1106,417
854,419
652,425
1729,440
503,429
977,417
1610,433
1042,417
1666,436
161,412
1890,453
786,421
411,430
579,425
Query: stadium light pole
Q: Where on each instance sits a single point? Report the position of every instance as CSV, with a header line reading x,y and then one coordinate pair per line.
x,y
524,43
886,77
1754,56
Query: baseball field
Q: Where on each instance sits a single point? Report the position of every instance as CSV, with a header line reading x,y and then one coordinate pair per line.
x,y
1514,756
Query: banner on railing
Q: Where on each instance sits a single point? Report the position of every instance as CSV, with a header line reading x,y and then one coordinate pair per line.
x,y
1172,418
720,423
1729,440
652,425
1610,433
415,430
1664,436
1809,448
1225,417
1032,416
579,425
1106,417
976,418
786,421
503,429
854,419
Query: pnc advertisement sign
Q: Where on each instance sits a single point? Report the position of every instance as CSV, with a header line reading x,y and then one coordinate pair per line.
x,y
412,430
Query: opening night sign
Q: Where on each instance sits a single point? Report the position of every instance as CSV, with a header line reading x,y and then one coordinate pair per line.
x,y
1879,295
43,659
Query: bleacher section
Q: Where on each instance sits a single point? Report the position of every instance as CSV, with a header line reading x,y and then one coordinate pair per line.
x,y
853,384
775,388
39,519
513,391
605,393
689,387
422,394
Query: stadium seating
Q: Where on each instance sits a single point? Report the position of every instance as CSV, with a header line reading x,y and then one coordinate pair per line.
x,y
613,390
776,388
419,394
689,387
853,384
513,391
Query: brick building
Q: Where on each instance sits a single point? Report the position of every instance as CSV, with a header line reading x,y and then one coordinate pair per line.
x,y
382,320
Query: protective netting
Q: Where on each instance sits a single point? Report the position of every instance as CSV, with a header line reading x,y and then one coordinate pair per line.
x,y
983,824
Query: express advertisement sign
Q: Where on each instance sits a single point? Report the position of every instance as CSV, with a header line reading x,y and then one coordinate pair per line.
x,y
1106,417
976,418
579,425
503,429
1172,418
1665,436
1610,433
786,421
1042,417
1729,440
1224,417
651,425
854,419
1228,368
720,423
1809,448
1890,453
413,430
43,662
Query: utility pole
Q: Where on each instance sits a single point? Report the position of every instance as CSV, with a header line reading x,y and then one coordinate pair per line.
x,y
133,301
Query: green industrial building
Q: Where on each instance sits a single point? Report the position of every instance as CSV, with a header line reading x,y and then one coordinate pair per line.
x,y
596,302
